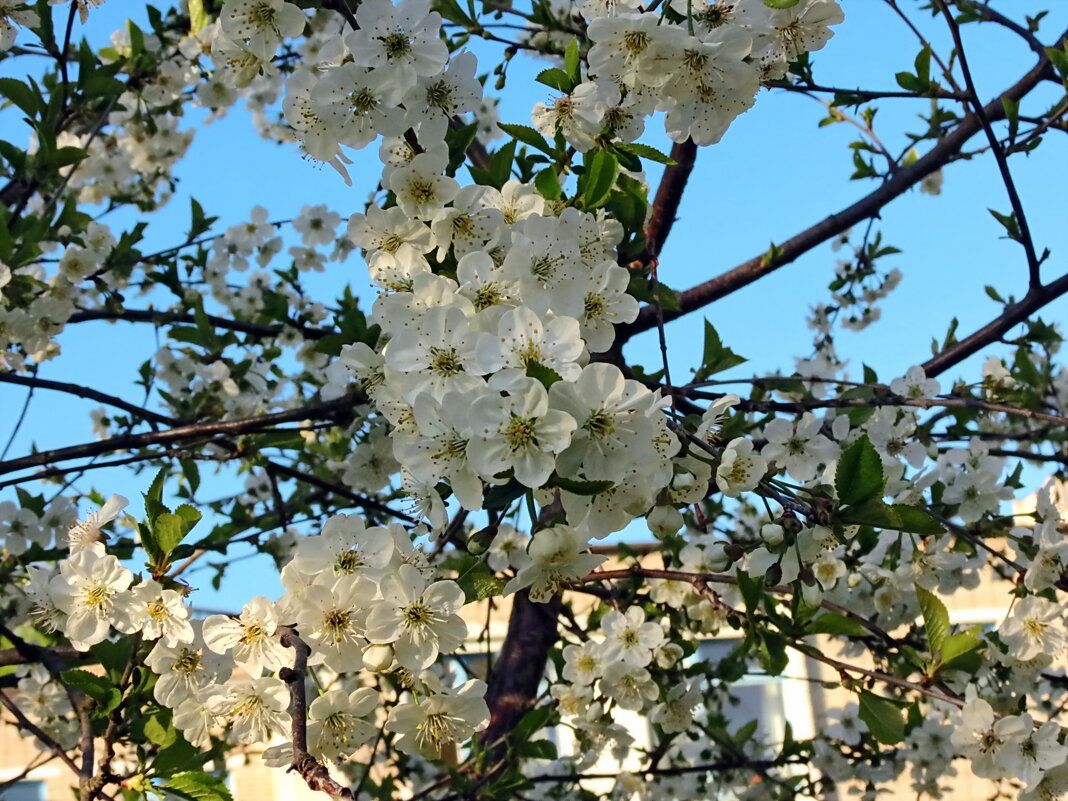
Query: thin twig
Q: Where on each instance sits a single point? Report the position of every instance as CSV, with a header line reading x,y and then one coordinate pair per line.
x,y
1034,264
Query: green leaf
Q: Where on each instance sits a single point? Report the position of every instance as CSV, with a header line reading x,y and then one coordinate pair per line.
x,y
114,656
600,177
480,584
839,625
198,17
191,473
773,657
168,530
882,717
500,168
546,375
914,520
994,294
1009,222
21,95
923,65
450,10
582,487
1012,114
647,152
98,688
526,135
178,756
572,63
752,589
781,3
898,517
909,82
715,356
557,79
199,786
935,619
859,475
65,156
961,644
536,749
159,730
547,182
499,496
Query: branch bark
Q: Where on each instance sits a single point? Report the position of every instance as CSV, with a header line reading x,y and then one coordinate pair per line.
x,y
520,666
313,772
178,433
1014,313
90,394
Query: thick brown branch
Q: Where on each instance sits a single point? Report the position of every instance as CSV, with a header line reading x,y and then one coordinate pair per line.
x,y
316,775
14,656
1014,313
904,179
520,667
668,197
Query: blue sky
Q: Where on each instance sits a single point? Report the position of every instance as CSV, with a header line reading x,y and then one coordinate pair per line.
x,y
774,174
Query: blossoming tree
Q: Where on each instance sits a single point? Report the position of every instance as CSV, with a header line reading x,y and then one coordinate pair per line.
x,y
472,430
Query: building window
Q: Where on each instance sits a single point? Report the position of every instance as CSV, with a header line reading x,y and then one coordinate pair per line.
x,y
24,791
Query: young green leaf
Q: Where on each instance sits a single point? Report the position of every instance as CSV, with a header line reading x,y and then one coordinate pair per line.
x,y
882,717
935,619
859,475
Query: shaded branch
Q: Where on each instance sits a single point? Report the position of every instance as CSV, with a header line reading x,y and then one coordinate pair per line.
x,y
361,500
89,394
313,772
1033,262
668,197
888,400
1014,313
47,741
323,410
165,317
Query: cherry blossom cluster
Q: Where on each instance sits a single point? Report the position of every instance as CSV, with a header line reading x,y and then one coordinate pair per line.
x,y
701,64
364,599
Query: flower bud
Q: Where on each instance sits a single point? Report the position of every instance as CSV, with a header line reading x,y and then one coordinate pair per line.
x,y
812,594
717,558
479,541
378,658
664,521
773,574
772,534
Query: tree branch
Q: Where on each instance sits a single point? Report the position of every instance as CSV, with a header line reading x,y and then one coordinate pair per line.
x,y
47,741
1033,262
1014,313
905,178
176,434
164,317
88,393
316,775
520,665
668,197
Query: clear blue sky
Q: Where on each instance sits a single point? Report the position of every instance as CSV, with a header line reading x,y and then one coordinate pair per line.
x,y
774,174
